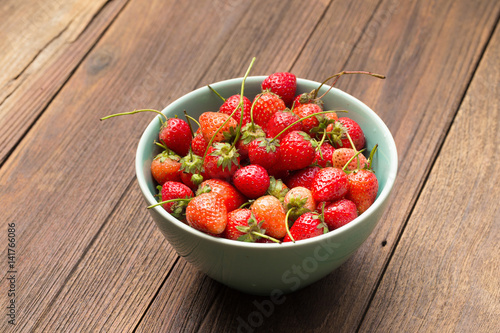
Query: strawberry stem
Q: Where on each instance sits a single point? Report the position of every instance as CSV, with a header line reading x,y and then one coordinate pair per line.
x,y
134,112
370,158
338,75
256,233
188,119
352,158
215,91
241,103
286,224
167,201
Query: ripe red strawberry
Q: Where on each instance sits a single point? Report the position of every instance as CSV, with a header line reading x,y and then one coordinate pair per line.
x,y
363,188
304,110
341,156
303,177
207,213
324,155
236,218
232,103
264,152
242,226
281,120
339,213
307,226
329,184
232,198
249,132
356,133
251,180
221,161
166,167
210,122
175,190
296,150
282,84
176,135
300,201
198,144
264,106
270,210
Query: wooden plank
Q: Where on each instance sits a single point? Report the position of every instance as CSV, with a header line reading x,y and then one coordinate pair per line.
x,y
454,242
428,70
41,43
70,171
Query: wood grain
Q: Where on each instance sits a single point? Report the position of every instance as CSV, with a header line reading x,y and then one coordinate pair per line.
x,y
70,171
41,44
428,69
454,241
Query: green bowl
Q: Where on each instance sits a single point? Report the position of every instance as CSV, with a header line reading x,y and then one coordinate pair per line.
x,y
269,268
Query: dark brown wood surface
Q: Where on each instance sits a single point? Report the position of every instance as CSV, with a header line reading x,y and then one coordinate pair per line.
x,y
89,257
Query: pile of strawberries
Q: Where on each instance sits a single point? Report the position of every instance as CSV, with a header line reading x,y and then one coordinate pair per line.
x,y
277,168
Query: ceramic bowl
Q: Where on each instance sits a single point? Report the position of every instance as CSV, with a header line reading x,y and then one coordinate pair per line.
x,y
269,268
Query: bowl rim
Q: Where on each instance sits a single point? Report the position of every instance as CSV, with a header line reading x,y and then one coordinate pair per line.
x,y
383,196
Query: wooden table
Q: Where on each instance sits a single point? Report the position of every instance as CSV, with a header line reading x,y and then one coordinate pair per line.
x,y
88,257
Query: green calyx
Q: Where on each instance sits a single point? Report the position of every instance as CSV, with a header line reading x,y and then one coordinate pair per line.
x,y
191,163
336,134
277,189
226,154
203,189
250,132
269,144
296,206
167,154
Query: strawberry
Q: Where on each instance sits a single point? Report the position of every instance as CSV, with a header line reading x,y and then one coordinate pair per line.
x,y
236,218
252,180
297,150
176,135
232,103
282,84
264,152
329,184
324,155
242,226
300,201
198,144
270,210
341,156
307,226
207,213
232,198
355,132
212,123
279,121
175,190
302,177
339,213
249,133
221,161
307,109
264,106
166,167
363,188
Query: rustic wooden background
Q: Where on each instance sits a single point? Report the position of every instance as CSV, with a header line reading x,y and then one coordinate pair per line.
x,y
88,256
